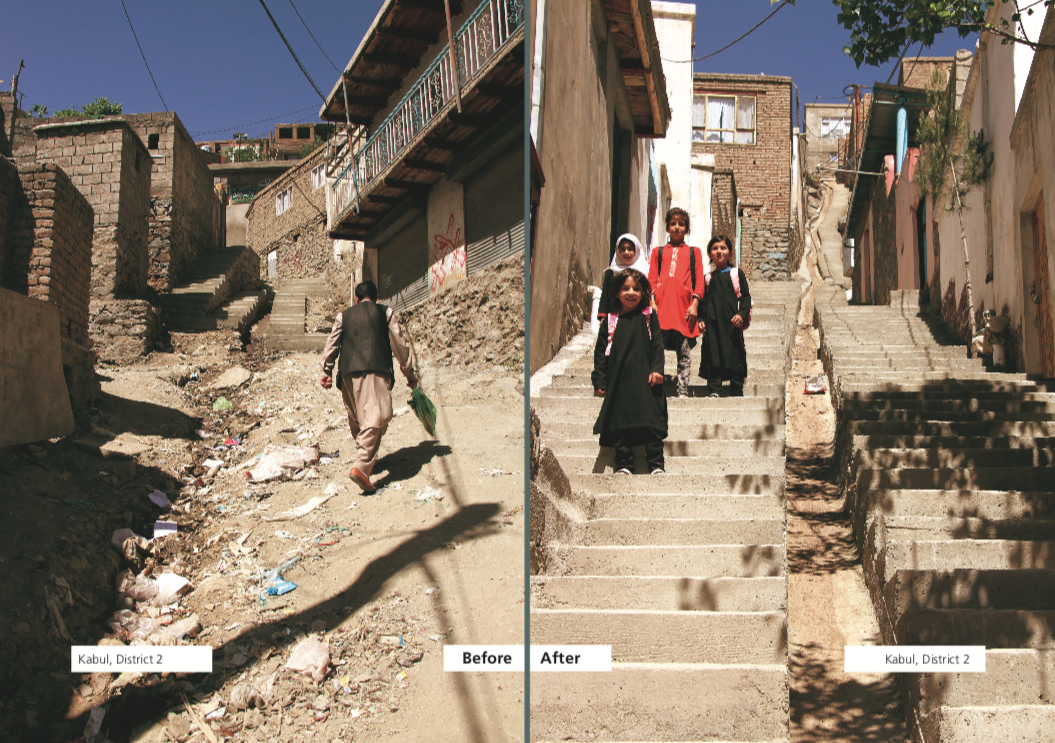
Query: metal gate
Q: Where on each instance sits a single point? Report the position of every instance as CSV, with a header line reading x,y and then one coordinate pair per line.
x,y
403,266
494,211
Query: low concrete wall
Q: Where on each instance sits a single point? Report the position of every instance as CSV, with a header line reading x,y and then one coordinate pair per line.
x,y
34,400
237,224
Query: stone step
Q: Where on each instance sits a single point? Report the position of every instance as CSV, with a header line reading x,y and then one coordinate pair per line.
x,y
721,506
305,342
638,636
712,561
966,554
963,504
1025,588
977,478
958,458
969,393
705,406
937,416
662,593
557,431
657,531
605,462
994,628
989,429
684,413
674,448
1006,403
986,723
714,703
933,527
672,484
585,390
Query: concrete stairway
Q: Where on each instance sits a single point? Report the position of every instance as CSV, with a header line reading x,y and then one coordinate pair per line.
x,y
209,299
950,485
683,574
285,329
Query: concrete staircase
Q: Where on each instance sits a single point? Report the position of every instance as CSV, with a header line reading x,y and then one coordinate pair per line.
x,y
285,329
950,485
683,574
211,297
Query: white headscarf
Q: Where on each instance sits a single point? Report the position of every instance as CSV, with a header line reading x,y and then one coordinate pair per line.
x,y
640,262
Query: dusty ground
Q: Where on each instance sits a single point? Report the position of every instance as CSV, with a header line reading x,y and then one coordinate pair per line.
x,y
384,581
828,604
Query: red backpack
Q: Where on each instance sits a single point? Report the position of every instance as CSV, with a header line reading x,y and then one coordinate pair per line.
x,y
735,277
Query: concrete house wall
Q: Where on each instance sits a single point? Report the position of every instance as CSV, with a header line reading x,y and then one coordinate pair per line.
x,y
822,150
584,124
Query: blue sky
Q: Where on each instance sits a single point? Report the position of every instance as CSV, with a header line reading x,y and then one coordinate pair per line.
x,y
222,66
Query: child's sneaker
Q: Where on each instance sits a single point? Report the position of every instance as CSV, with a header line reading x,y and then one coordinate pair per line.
x,y
623,471
659,471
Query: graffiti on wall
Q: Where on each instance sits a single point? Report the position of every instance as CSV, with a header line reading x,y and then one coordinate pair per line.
x,y
446,258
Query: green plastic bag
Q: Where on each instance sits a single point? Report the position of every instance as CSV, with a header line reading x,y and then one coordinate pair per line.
x,y
423,409
223,404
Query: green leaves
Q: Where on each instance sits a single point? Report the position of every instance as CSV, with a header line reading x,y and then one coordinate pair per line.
x,y
97,109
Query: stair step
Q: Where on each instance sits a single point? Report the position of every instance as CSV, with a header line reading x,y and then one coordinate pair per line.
x,y
766,528
717,561
661,593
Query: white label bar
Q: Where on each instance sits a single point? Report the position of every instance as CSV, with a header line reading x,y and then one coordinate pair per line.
x,y
914,658
483,658
596,658
145,658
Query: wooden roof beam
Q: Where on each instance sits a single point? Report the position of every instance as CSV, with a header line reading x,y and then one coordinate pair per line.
x,y
416,164
404,34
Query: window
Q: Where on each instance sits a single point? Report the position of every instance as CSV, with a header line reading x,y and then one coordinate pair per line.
x,y
835,128
283,200
285,132
318,176
153,140
303,132
725,119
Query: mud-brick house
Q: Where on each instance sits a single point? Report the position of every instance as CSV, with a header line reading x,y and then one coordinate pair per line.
x,y
110,165
826,127
745,123
186,217
287,226
599,98
46,358
429,173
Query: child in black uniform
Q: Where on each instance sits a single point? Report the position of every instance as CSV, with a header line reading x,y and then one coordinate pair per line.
x,y
628,374
724,315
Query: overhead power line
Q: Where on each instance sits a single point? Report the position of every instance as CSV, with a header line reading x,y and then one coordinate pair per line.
x,y
251,123
295,57
143,55
313,37
734,41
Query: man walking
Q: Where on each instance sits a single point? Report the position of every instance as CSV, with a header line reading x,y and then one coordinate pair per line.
x,y
364,337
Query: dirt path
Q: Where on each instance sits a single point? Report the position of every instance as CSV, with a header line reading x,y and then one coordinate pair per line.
x,y
828,604
383,581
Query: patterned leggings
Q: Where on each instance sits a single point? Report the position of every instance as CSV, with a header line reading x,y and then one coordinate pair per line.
x,y
682,346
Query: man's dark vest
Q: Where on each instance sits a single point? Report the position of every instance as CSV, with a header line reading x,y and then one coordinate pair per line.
x,y
365,346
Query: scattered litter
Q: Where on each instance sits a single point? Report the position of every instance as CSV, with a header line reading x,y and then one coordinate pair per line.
x,y
401,675
280,587
233,625
391,640
400,411
283,534
332,489
245,696
140,588
816,385
120,536
95,723
159,499
216,714
188,626
434,638
232,442
430,591
494,471
299,511
164,528
210,463
170,587
222,404
313,658
283,462
428,493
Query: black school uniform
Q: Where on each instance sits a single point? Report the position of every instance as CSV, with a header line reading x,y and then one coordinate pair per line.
x,y
723,355
633,413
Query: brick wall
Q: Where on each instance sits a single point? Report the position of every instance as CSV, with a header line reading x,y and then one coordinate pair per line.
x,y
186,216
107,162
21,145
8,185
723,205
57,227
123,329
299,234
762,170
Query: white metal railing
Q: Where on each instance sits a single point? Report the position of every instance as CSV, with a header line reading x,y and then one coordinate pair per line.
x,y
480,39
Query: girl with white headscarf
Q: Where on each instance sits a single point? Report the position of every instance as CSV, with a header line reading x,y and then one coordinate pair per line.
x,y
629,253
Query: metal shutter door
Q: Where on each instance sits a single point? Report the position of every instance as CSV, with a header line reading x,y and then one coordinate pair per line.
x,y
403,266
494,211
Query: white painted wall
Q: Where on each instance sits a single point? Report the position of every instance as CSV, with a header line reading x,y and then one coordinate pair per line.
x,y
675,29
